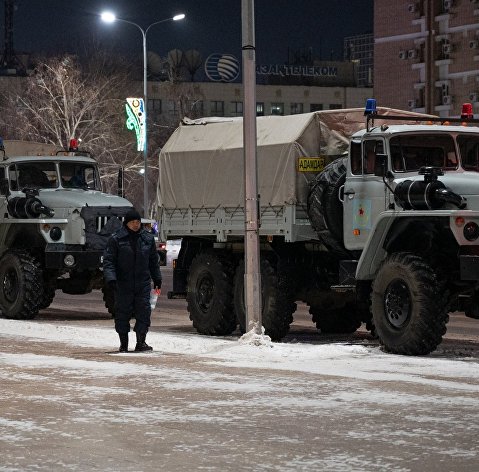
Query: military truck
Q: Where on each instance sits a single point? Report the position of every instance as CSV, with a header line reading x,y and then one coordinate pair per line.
x,y
385,233
54,223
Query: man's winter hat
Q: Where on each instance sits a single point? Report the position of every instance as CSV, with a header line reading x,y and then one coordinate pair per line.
x,y
131,215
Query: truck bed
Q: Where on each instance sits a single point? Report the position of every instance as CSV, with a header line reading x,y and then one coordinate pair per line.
x,y
288,221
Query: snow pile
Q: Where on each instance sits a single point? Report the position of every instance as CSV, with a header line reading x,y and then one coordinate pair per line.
x,y
256,337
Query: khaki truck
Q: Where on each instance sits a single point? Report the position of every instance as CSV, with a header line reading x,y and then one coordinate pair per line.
x,y
369,216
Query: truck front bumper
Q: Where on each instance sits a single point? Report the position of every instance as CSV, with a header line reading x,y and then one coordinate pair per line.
x,y
72,256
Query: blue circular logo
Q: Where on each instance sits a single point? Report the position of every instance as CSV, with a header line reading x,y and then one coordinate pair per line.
x,y
222,67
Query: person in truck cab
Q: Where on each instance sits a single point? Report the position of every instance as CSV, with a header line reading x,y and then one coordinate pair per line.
x,y
130,261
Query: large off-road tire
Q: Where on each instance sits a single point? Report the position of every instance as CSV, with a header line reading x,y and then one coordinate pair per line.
x,y
343,320
109,299
409,305
209,294
21,285
325,210
277,294
47,297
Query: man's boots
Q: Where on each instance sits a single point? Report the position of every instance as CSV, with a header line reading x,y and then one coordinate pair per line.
x,y
123,342
141,345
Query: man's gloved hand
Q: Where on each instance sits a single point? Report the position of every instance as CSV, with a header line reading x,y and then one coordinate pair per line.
x,y
157,284
112,284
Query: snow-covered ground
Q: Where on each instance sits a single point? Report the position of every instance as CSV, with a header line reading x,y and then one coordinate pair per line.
x,y
203,403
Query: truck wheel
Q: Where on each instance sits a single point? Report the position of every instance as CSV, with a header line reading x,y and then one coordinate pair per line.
x,y
277,299
209,294
109,299
344,320
20,285
409,305
47,297
325,210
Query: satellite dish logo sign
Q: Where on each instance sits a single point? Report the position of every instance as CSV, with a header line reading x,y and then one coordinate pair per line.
x,y
222,67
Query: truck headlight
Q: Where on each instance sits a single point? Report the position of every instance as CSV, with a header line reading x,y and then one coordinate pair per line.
x,y
55,233
69,260
471,231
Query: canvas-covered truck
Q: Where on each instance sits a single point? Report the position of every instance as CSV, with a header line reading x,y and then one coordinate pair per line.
x,y
54,223
386,233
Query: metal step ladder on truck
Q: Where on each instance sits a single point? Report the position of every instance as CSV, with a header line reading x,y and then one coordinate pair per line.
x,y
386,233
54,223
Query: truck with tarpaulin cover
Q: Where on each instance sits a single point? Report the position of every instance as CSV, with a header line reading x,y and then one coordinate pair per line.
x,y
369,216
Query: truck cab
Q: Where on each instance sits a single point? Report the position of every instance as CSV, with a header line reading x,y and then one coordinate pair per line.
x,y
411,214
56,219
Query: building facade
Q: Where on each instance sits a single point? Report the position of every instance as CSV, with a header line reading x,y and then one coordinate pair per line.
x,y
360,49
198,99
426,55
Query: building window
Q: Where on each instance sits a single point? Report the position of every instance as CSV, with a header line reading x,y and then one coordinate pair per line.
x,y
154,105
259,109
237,108
296,108
172,107
335,106
277,108
217,108
316,107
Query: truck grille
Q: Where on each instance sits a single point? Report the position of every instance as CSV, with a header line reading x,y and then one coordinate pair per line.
x,y
101,221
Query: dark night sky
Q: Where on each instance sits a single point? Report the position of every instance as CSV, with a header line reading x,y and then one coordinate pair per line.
x,y
56,26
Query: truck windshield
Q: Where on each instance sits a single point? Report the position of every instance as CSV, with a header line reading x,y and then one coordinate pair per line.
x,y
469,149
411,152
79,175
33,175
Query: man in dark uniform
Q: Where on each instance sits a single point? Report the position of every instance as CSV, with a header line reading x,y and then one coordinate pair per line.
x,y
130,261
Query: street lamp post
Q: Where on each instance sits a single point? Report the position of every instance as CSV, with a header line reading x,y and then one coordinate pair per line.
x,y
109,17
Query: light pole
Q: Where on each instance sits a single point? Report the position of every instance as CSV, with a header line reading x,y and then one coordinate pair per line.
x,y
109,17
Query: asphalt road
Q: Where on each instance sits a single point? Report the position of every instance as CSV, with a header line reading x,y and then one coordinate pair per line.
x,y
70,408
172,316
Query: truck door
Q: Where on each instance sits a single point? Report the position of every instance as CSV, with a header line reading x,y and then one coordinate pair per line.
x,y
365,194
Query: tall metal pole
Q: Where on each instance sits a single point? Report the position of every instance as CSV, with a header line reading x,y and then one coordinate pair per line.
x,y
145,109
252,278
109,17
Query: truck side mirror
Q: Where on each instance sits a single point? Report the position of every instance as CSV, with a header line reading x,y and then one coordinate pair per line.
x,y
381,165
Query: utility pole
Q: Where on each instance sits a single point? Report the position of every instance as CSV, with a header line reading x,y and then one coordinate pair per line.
x,y
252,278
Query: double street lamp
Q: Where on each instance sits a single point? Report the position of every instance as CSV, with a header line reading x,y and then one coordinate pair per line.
x,y
109,17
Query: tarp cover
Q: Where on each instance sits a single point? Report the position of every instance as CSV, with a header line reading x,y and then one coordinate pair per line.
x,y
28,148
202,163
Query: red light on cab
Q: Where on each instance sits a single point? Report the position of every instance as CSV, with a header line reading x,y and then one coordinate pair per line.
x,y
73,145
466,112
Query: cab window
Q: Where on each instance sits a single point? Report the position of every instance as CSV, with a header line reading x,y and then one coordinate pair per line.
x,y
411,152
370,149
469,148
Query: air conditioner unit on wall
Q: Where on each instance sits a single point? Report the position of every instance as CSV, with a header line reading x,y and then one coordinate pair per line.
x,y
474,97
447,4
412,8
446,100
474,44
446,48
402,54
412,53
412,104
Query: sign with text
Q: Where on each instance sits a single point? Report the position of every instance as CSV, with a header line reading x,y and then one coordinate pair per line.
x,y
310,164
